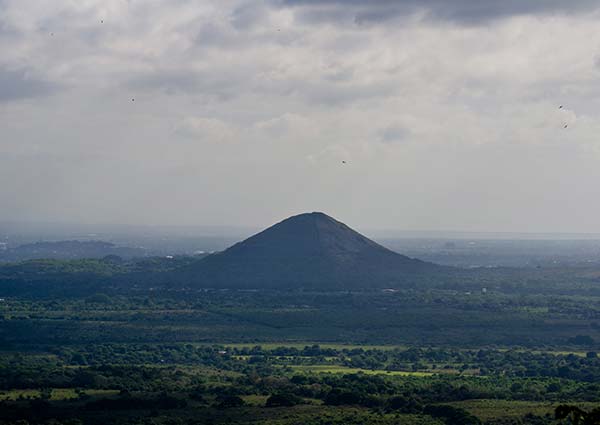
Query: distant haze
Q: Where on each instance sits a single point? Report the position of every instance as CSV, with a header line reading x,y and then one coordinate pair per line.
x,y
240,113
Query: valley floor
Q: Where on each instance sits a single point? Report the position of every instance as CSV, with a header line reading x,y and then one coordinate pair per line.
x,y
405,357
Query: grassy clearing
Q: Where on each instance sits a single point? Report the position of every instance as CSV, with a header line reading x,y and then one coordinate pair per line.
x,y
15,394
255,400
344,369
301,345
566,353
57,394
203,370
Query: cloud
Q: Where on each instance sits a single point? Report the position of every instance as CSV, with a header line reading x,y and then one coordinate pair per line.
x,y
431,100
249,15
287,123
223,84
471,12
331,155
394,134
19,84
204,129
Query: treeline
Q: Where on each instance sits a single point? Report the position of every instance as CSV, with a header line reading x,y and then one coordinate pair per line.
x,y
505,363
260,371
42,278
381,395
417,318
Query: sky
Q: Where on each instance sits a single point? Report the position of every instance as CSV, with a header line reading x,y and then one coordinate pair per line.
x,y
234,112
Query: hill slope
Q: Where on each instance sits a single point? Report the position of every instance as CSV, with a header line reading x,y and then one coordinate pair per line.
x,y
306,251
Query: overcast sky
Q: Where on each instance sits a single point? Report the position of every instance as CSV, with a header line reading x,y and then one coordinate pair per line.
x,y
241,112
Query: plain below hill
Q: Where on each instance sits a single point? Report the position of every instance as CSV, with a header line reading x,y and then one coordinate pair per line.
x,y
312,251
69,250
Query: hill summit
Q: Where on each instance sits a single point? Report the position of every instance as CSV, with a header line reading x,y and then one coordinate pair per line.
x,y
309,250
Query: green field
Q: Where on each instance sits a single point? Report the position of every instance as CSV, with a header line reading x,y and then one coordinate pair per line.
x,y
300,345
56,394
346,370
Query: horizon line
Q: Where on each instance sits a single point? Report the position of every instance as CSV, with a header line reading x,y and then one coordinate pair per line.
x,y
373,232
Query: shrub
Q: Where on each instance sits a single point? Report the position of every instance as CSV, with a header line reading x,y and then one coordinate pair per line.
x,y
283,400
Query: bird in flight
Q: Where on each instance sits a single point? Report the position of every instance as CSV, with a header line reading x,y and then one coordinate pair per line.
x,y
132,99
560,107
343,162
566,125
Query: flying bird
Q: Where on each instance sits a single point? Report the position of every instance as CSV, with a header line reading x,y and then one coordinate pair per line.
x,y
101,21
343,162
132,99
566,125
560,107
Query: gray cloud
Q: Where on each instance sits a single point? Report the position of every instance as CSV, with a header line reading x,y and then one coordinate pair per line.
x,y
18,84
327,93
394,134
243,100
249,15
224,85
471,12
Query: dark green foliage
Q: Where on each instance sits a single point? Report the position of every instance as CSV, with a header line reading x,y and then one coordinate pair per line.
x,y
578,416
338,397
584,340
283,400
451,415
98,299
228,401
126,402
405,404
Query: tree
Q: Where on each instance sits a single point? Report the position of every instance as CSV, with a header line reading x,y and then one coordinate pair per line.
x,y
577,415
46,393
227,401
451,415
283,400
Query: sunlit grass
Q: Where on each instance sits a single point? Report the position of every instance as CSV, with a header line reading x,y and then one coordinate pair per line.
x,y
301,345
255,400
56,394
345,370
